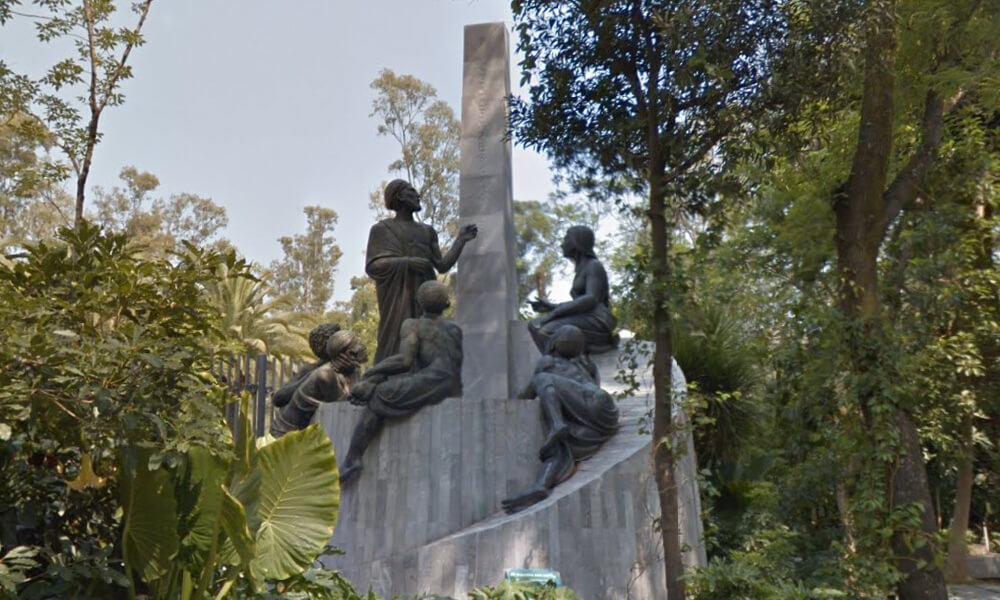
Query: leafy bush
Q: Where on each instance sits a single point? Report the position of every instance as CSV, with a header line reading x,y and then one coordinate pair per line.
x,y
104,350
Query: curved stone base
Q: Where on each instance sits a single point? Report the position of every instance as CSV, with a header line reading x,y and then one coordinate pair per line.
x,y
443,469
424,517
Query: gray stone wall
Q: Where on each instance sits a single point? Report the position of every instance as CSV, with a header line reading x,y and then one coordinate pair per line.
x,y
424,517
445,468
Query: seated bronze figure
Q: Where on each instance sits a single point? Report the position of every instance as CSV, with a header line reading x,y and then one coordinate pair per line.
x,y
427,369
341,354
577,414
590,308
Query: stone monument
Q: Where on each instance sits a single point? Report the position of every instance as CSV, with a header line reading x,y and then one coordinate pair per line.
x,y
427,516
401,255
590,308
487,282
341,354
578,415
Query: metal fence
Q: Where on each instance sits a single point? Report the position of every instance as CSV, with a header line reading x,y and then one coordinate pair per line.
x,y
260,375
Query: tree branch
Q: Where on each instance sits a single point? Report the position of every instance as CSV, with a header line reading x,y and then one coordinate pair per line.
x,y
903,188
119,69
88,17
710,141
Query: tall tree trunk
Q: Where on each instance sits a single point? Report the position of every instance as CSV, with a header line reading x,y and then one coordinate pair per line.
x,y
663,424
862,220
956,568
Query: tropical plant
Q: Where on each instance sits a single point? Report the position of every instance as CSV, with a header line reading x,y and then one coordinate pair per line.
x,y
257,518
254,316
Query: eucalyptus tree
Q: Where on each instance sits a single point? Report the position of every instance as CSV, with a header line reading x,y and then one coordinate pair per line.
x,y
305,272
160,224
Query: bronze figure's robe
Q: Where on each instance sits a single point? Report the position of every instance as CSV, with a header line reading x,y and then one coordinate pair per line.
x,y
395,283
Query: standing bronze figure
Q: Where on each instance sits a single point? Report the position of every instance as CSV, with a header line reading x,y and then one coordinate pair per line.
x,y
402,254
590,308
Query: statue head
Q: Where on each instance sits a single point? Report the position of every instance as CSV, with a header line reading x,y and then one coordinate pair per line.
x,y
567,341
433,297
346,350
400,192
318,337
579,241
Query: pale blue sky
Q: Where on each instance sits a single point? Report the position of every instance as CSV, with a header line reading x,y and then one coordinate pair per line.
x,y
263,106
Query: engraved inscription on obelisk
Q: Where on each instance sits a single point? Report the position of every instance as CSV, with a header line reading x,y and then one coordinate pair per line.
x,y
487,283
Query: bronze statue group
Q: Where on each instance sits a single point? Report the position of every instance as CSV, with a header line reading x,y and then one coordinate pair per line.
x,y
418,358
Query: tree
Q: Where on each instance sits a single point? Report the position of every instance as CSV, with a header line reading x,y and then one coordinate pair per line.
x,y
104,350
256,318
427,131
158,223
32,206
306,271
93,77
634,96
885,178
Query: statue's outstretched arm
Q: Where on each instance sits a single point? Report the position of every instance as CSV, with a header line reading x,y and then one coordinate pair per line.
x,y
445,263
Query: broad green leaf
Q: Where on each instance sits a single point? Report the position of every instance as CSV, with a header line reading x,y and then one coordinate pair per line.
x,y
234,524
203,496
150,538
294,511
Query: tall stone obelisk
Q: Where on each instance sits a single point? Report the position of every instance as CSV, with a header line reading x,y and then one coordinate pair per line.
x,y
487,282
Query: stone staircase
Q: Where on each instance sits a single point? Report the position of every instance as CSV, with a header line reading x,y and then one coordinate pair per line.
x,y
425,517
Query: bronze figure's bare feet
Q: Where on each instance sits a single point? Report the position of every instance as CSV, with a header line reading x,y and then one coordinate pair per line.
x,y
522,501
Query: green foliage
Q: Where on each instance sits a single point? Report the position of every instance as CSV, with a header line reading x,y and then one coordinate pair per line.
x,y
15,565
158,224
104,350
254,317
522,590
305,274
252,522
766,565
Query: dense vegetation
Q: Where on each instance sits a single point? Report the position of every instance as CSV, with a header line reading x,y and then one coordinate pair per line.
x,y
806,208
